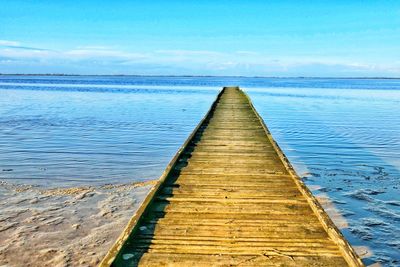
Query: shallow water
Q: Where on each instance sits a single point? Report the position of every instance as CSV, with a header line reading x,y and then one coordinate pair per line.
x,y
64,137
346,145
342,136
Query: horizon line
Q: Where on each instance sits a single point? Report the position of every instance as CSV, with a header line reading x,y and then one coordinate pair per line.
x,y
201,76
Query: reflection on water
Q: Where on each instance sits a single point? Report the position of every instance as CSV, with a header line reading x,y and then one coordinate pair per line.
x,y
342,136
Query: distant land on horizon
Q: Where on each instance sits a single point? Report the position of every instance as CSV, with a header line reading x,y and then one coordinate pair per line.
x,y
200,76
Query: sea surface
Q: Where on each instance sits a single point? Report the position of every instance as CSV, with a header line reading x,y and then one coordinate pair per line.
x,y
341,135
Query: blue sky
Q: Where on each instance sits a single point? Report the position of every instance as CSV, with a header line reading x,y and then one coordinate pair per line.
x,y
251,38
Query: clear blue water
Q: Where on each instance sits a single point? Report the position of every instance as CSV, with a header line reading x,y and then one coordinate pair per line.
x,y
342,136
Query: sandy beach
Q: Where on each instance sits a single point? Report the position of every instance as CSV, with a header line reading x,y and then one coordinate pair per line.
x,y
64,226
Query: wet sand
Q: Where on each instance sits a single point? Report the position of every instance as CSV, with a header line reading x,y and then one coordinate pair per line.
x,y
64,226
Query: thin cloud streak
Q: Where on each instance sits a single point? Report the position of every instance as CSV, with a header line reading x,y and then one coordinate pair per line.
x,y
17,45
95,58
9,43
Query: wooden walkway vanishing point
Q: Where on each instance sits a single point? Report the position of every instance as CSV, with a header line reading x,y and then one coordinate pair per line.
x,y
230,197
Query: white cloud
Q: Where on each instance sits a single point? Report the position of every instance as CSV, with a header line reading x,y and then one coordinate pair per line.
x,y
205,62
76,54
188,52
101,52
94,47
25,53
247,53
9,43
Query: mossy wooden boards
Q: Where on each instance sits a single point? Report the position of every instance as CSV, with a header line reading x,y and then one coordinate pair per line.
x,y
231,197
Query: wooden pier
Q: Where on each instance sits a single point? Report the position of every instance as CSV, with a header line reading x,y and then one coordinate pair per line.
x,y
230,197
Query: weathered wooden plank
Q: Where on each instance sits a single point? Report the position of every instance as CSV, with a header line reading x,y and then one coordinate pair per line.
x,y
187,259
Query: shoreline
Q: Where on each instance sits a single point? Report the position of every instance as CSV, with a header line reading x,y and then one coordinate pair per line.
x,y
71,226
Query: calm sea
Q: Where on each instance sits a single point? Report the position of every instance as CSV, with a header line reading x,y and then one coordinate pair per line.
x,y
342,136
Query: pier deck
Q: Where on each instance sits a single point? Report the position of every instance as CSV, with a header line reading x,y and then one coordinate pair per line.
x,y
230,197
